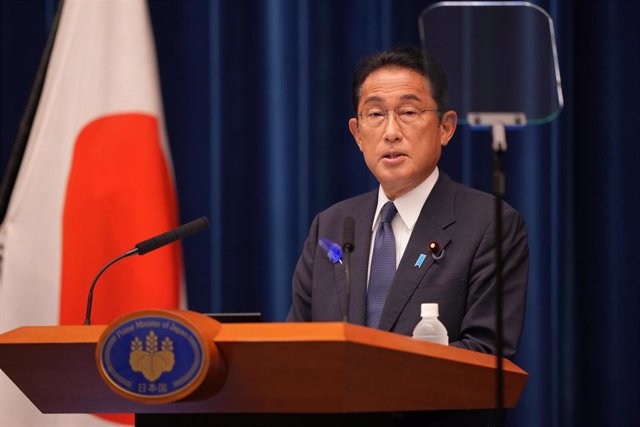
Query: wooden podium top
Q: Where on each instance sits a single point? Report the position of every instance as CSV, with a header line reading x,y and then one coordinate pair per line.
x,y
271,368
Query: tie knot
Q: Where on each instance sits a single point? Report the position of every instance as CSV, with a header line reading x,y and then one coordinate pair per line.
x,y
387,212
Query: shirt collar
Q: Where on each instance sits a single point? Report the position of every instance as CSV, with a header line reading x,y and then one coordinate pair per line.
x,y
410,204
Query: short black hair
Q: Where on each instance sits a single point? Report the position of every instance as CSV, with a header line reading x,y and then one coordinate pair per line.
x,y
411,57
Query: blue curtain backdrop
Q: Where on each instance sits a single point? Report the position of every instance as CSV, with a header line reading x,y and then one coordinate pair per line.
x,y
257,98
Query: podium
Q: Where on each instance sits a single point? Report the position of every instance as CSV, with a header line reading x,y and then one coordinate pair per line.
x,y
272,368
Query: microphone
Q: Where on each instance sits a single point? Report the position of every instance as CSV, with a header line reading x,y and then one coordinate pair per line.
x,y
147,246
185,230
348,234
348,238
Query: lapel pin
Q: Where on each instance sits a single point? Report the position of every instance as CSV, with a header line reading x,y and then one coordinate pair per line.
x,y
436,251
420,260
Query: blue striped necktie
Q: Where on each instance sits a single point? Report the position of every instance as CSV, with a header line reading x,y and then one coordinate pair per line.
x,y
383,266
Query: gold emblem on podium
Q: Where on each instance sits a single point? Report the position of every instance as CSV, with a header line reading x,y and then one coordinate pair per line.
x,y
160,356
151,361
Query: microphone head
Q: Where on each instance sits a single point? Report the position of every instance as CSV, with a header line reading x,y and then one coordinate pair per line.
x,y
203,223
193,227
348,234
185,230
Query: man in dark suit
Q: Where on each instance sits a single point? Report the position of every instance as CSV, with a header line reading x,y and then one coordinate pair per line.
x,y
401,124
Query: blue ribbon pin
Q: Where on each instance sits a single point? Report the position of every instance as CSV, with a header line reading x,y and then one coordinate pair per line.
x,y
420,260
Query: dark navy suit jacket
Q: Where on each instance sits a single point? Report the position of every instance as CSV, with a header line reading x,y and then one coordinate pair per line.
x,y
462,282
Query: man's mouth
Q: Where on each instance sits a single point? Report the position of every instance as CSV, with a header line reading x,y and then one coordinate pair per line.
x,y
392,155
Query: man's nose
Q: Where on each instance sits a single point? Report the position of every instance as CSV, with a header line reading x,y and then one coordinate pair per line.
x,y
392,131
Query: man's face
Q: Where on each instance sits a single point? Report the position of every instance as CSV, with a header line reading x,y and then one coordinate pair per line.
x,y
400,155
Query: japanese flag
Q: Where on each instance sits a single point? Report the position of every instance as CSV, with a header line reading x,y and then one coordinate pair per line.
x,y
95,178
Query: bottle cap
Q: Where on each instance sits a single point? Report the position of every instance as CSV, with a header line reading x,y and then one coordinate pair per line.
x,y
429,310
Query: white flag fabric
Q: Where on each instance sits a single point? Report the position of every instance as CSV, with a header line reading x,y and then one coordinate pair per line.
x,y
95,179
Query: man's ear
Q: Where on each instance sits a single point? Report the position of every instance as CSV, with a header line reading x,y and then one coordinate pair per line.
x,y
355,131
448,125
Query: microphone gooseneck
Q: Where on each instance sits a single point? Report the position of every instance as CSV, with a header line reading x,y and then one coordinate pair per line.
x,y
147,246
87,317
348,238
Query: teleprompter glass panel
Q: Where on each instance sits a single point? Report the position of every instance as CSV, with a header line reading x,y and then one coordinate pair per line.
x,y
498,57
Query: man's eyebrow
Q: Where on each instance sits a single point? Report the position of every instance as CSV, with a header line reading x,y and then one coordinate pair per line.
x,y
407,97
410,96
373,99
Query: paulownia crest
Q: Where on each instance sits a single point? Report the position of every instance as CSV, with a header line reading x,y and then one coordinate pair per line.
x,y
151,362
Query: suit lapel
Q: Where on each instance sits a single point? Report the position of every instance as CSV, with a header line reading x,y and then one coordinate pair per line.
x,y
436,214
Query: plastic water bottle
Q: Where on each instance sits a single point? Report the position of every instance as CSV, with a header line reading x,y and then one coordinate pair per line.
x,y
430,328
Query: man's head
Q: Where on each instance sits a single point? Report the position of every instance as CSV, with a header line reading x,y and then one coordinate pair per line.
x,y
410,57
401,120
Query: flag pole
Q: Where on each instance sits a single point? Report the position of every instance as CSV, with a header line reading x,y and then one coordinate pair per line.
x,y
24,129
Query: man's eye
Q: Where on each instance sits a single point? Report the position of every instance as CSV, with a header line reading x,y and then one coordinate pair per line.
x,y
408,112
374,114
